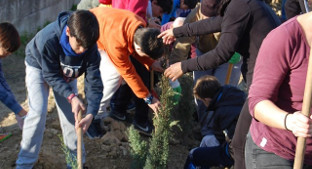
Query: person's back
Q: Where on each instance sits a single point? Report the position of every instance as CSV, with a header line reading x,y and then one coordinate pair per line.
x,y
224,105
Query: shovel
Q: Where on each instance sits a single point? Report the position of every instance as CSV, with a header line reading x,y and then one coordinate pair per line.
x,y
79,143
306,107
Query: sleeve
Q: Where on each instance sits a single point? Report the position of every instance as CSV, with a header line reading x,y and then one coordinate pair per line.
x,y
182,45
146,61
93,82
51,70
233,26
120,58
202,27
138,7
272,65
6,96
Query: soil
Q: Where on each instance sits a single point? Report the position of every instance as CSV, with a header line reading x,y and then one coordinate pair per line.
x,y
111,151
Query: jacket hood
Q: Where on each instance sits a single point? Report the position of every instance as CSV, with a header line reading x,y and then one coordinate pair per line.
x,y
230,96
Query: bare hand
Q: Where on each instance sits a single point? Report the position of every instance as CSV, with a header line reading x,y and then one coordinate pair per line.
x,y
154,23
155,105
299,124
174,71
77,106
167,36
157,66
84,123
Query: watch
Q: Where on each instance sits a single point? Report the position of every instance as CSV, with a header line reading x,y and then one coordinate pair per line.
x,y
149,99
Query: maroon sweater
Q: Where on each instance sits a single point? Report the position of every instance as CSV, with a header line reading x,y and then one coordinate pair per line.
x,y
279,76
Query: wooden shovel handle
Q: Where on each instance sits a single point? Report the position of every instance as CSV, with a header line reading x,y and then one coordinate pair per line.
x,y
306,107
79,143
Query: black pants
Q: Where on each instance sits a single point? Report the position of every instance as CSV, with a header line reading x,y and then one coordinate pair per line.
x,y
124,94
239,139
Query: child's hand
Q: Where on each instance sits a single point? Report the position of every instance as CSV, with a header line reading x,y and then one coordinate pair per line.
x,y
84,123
167,36
155,105
77,106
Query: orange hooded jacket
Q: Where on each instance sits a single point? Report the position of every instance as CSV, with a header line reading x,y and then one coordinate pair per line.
x,y
117,28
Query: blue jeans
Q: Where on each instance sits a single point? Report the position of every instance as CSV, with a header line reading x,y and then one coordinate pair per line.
x,y
256,158
34,124
206,157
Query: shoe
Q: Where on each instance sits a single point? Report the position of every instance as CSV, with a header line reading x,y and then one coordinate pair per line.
x,y
95,130
131,106
145,128
118,115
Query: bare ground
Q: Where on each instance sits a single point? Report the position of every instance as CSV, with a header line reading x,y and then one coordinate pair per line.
x,y
111,151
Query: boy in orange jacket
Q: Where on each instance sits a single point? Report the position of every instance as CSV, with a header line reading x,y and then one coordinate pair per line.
x,y
125,46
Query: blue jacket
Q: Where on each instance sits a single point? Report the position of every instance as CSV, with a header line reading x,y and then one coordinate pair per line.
x,y
6,96
226,106
45,52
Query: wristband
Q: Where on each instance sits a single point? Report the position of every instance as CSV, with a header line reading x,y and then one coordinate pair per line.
x,y
71,96
149,99
285,118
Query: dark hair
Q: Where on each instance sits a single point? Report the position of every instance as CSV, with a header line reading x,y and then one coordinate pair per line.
x,y
166,5
9,37
209,8
222,6
206,87
191,3
147,39
84,26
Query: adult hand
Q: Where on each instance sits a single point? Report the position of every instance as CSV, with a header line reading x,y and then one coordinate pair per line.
x,y
155,105
167,36
77,106
299,124
174,71
157,66
84,123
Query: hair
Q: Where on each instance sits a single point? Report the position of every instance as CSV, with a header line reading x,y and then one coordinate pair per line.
x,y
191,3
206,87
84,26
9,37
209,8
222,6
166,5
147,39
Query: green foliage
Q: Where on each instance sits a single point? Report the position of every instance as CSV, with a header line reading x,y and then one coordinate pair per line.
x,y
74,7
159,144
71,159
186,107
139,149
25,38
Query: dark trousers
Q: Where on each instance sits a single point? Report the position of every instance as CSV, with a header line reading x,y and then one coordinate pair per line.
x,y
206,157
124,94
239,139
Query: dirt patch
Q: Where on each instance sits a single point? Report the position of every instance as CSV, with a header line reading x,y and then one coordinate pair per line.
x,y
111,151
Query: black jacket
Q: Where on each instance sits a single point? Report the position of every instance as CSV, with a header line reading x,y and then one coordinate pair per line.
x,y
225,106
243,27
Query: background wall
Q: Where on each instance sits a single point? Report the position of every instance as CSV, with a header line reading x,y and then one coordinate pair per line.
x,y
29,15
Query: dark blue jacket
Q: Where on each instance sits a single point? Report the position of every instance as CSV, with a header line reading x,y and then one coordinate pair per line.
x,y
226,106
45,52
6,95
